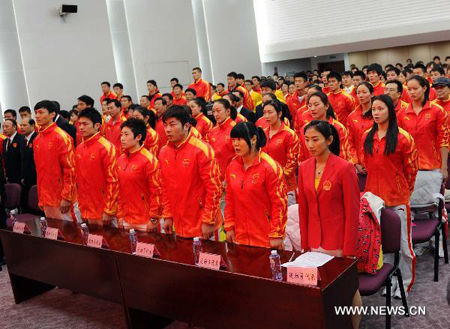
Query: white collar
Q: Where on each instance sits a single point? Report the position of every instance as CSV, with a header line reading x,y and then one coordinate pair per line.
x,y
12,137
239,108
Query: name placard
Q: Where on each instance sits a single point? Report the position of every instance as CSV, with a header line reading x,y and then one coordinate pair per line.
x,y
19,227
211,261
303,275
145,249
95,240
51,233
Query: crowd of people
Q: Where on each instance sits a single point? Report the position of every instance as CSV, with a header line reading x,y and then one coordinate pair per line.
x,y
244,161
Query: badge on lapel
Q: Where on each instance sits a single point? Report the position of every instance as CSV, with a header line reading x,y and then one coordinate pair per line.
x,y
15,145
326,185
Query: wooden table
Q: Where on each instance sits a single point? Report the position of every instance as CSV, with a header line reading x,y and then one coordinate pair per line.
x,y
155,291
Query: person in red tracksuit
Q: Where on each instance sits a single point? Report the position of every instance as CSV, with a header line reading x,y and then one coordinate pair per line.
x,y
359,121
320,109
342,102
204,125
106,92
161,108
374,73
151,142
201,87
111,129
304,112
390,157
256,195
191,185
282,144
219,136
96,171
328,202
139,180
298,99
55,164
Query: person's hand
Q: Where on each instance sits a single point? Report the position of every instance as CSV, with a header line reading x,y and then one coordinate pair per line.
x,y
152,225
107,219
168,225
444,172
207,231
65,206
231,236
276,244
360,169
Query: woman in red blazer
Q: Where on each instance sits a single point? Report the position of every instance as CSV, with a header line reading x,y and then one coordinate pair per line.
x,y
328,198
328,193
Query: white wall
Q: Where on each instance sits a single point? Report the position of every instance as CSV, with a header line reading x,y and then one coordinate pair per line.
x,y
123,58
13,90
287,67
232,36
302,28
163,43
64,57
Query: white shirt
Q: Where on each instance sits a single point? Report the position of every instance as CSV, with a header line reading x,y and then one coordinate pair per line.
x,y
239,109
29,137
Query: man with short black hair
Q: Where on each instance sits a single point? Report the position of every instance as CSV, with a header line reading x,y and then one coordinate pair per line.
x,y
421,70
96,171
13,147
233,85
347,82
161,108
118,90
139,180
190,94
341,102
173,82
178,97
55,167
83,102
153,92
111,129
28,176
126,101
394,89
202,88
249,115
106,91
25,113
374,73
298,99
168,98
189,171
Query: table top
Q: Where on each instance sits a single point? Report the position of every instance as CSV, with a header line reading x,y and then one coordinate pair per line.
x,y
239,259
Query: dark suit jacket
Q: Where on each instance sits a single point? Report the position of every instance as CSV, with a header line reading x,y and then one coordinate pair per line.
x,y
13,158
68,128
28,165
249,115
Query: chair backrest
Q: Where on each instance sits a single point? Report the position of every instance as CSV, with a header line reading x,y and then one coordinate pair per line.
x,y
33,200
362,182
390,231
13,193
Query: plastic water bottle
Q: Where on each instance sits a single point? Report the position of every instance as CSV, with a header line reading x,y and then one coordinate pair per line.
x,y
44,225
12,217
133,240
196,247
84,233
275,266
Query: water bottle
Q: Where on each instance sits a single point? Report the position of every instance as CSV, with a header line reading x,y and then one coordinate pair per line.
x,y
84,233
275,266
196,246
133,240
12,217
44,225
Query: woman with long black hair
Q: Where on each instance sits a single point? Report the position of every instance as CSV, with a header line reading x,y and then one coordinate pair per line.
x,y
390,157
321,109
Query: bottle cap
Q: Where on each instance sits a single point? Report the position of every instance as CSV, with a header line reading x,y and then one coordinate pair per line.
x,y
42,218
83,225
274,252
196,239
132,230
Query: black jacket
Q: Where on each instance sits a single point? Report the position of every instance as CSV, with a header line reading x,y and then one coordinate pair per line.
x,y
28,165
13,158
68,128
249,115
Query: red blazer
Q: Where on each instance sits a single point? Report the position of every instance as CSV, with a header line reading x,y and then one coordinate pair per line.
x,y
329,216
